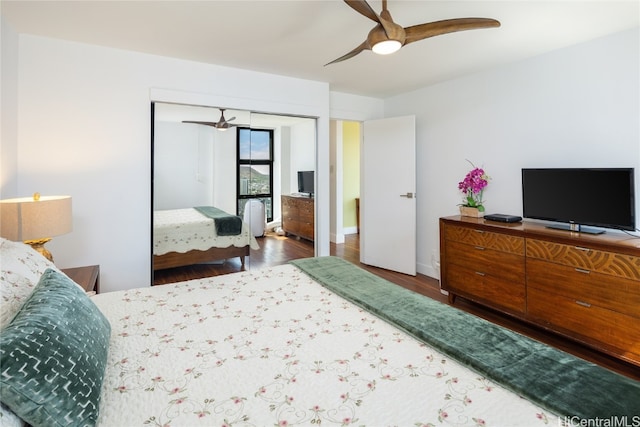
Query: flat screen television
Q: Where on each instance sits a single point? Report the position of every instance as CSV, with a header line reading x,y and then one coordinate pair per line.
x,y
306,180
601,197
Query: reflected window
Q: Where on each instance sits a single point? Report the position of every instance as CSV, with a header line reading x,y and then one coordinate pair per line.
x,y
255,168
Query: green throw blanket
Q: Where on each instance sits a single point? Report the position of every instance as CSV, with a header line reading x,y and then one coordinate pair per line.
x,y
555,380
226,224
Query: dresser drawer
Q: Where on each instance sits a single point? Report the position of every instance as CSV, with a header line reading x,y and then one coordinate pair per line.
x,y
289,211
583,287
486,261
488,289
610,292
305,216
298,216
611,263
305,209
485,239
594,325
292,227
289,220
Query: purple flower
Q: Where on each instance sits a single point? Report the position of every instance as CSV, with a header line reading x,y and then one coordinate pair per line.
x,y
473,186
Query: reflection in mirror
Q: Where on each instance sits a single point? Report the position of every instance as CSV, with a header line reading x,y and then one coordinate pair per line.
x,y
217,195
255,173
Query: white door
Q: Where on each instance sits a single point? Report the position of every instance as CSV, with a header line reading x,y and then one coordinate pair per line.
x,y
388,194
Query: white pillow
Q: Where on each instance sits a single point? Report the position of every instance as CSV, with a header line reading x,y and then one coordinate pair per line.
x,y
21,269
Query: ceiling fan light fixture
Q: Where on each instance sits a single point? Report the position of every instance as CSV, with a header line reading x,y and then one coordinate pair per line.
x,y
386,47
387,36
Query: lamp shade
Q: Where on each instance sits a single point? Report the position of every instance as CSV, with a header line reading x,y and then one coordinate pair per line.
x,y
32,218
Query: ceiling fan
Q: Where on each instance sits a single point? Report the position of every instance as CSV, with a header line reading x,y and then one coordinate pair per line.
x,y
221,124
387,36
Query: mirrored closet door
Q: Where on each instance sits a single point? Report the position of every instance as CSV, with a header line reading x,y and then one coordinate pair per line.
x,y
218,178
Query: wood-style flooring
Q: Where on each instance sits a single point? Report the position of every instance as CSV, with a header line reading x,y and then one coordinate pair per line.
x,y
275,250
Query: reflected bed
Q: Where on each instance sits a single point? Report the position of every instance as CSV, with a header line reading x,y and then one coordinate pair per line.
x,y
186,236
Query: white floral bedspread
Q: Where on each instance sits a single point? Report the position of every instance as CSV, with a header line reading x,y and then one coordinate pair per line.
x,y
273,348
181,230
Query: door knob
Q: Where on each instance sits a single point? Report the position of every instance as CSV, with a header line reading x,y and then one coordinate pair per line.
x,y
408,195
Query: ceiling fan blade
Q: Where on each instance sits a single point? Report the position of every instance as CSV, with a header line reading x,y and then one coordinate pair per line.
x,y
232,118
431,29
363,8
201,123
363,46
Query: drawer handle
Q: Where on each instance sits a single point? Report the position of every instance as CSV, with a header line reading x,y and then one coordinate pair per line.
x,y
580,248
584,304
479,231
479,273
582,270
480,248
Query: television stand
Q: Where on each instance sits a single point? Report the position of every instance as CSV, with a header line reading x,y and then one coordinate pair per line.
x,y
577,228
580,286
298,216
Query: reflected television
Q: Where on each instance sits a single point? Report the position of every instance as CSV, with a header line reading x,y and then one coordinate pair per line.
x,y
306,182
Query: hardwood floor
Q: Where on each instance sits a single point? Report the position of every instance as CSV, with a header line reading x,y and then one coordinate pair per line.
x,y
277,250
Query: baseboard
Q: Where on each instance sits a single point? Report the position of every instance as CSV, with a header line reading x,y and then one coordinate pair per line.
x,y
428,270
336,238
350,230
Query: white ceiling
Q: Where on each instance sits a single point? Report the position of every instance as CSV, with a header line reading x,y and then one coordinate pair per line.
x,y
297,37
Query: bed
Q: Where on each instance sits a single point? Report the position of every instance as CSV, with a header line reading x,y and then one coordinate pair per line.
x,y
273,346
187,236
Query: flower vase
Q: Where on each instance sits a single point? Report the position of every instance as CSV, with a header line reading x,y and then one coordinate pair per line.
x,y
469,211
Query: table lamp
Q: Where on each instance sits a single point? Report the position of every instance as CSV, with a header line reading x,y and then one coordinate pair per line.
x,y
35,220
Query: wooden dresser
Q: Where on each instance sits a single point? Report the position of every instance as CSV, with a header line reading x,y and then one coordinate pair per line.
x,y
298,216
581,286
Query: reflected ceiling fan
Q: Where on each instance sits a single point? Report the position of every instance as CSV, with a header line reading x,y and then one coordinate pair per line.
x,y
221,124
387,36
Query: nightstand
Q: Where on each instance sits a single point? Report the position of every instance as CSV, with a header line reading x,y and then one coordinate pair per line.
x,y
88,277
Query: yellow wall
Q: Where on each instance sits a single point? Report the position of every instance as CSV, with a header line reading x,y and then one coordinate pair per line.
x,y
351,171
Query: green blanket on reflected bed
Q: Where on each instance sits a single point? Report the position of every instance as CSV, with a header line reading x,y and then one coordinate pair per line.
x,y
226,224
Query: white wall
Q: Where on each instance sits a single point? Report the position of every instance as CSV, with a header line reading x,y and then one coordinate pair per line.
x,y
302,151
575,107
9,108
84,129
80,120
184,165
224,166
346,106
193,163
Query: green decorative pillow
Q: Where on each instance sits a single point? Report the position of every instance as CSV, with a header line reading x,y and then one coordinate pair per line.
x,y
53,355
